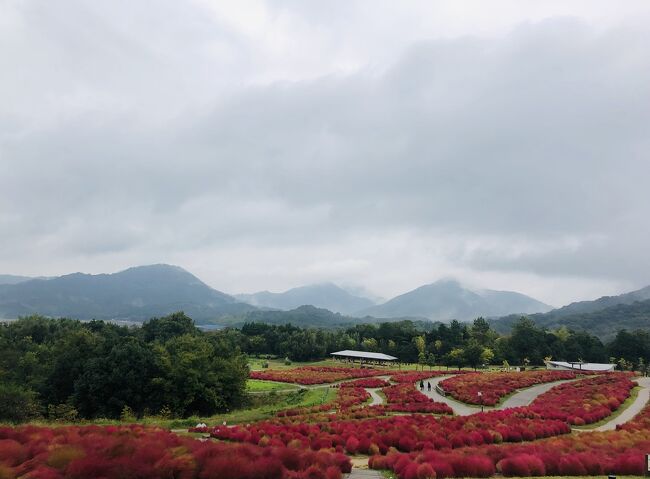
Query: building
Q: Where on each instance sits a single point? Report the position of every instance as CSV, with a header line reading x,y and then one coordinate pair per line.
x,y
579,366
364,358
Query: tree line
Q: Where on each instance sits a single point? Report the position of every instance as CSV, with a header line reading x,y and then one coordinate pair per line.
x,y
67,369
455,344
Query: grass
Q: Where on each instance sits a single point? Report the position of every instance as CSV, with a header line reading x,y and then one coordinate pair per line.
x,y
294,399
634,393
259,386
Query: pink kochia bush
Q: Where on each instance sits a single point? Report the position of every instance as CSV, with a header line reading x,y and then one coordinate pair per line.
x,y
414,377
346,399
136,452
495,386
404,433
404,397
585,401
314,374
366,383
579,454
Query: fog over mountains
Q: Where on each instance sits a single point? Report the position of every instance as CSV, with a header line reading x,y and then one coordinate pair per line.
x,y
134,294
325,295
447,299
142,292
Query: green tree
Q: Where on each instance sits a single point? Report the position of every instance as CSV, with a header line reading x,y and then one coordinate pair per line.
x,y
17,404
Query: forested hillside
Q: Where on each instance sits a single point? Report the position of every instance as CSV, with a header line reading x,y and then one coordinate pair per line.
x,y
604,323
67,369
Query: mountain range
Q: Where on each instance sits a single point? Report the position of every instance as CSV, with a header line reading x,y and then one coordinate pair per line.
x,y
139,293
447,299
602,317
325,295
135,294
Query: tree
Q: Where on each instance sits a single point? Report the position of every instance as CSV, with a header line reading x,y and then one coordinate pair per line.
x,y
487,356
17,404
472,354
457,357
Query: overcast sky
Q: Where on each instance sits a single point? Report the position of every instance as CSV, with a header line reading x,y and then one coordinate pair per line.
x,y
382,144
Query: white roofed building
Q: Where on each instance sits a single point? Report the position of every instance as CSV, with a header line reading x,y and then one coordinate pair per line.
x,y
579,366
363,357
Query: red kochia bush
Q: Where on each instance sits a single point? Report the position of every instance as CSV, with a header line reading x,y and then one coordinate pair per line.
x,y
494,386
314,374
366,383
585,401
588,453
138,452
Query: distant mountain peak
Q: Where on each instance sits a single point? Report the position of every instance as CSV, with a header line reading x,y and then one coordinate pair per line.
x,y
321,295
447,299
136,293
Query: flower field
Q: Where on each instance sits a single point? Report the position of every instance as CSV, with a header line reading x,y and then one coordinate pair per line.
x,y
585,401
403,397
140,453
308,375
366,383
404,433
495,386
589,453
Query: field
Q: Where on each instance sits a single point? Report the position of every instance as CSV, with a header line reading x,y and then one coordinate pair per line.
x,y
316,420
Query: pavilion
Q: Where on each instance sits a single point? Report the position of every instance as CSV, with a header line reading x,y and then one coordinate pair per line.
x,y
375,359
579,366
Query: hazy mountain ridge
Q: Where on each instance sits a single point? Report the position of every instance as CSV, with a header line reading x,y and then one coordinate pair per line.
x,y
448,299
13,279
137,293
324,295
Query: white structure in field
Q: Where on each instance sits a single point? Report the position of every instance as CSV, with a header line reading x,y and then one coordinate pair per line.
x,y
363,357
579,366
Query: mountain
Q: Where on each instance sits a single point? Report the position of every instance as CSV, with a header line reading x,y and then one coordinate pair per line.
x,y
602,317
448,299
326,295
135,294
13,279
312,317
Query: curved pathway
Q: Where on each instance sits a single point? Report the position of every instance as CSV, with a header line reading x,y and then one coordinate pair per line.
x,y
522,397
376,398
632,410
459,408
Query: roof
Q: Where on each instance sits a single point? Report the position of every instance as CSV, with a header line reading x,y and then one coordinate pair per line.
x,y
364,355
583,366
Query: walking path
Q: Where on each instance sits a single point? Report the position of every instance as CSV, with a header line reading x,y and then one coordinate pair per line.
x,y
459,408
376,398
632,410
520,398
363,474
526,396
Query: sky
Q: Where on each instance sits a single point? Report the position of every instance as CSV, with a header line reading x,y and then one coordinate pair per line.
x,y
382,145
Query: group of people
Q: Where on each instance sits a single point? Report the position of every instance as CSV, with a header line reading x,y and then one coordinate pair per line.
x,y
422,385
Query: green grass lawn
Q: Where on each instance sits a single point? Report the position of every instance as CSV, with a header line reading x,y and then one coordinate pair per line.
x,y
259,386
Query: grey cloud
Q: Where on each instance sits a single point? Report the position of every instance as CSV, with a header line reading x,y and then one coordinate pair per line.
x,y
537,135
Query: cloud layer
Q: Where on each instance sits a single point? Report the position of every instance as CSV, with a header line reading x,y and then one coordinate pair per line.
x,y
279,144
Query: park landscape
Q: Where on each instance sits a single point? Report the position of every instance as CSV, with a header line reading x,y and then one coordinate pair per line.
x,y
360,421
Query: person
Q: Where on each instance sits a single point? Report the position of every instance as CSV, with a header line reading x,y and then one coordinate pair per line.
x,y
428,385
421,385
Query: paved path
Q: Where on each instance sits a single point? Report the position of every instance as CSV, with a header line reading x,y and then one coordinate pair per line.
x,y
632,410
376,398
459,408
363,474
521,398
526,396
